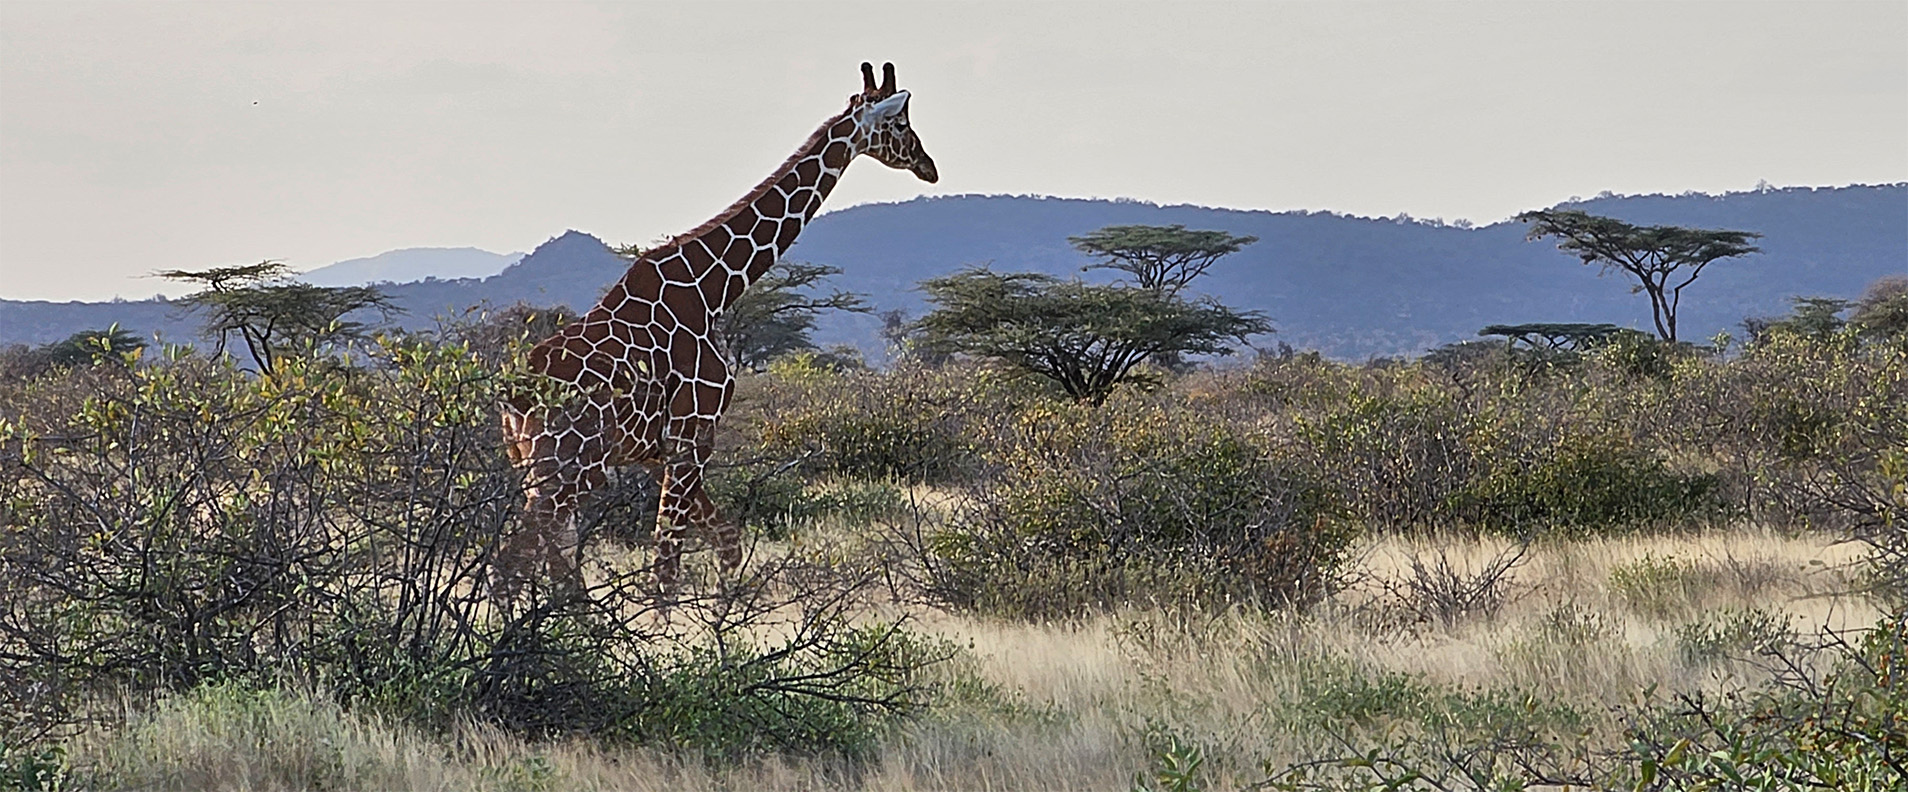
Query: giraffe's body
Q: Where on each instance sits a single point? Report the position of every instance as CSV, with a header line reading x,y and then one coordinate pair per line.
x,y
651,378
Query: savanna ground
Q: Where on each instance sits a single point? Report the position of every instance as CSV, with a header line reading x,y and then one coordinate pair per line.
x,y
1640,567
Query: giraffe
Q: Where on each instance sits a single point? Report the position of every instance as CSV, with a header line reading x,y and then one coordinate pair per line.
x,y
648,378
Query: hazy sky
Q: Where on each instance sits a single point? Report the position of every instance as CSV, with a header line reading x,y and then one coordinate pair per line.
x,y
141,136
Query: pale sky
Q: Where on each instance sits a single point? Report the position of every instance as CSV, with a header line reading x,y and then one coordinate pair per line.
x,y
145,136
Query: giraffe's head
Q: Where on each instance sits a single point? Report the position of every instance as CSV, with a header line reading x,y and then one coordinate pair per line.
x,y
883,132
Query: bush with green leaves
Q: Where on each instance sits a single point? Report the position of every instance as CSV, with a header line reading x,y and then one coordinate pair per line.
x,y
1082,509
186,523
912,423
1723,634
1585,485
1659,586
1481,446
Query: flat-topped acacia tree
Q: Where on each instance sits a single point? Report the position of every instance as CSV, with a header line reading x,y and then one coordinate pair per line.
x,y
1663,259
1162,259
272,314
1085,337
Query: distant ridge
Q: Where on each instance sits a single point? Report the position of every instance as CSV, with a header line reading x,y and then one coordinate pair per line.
x,y
1355,287
1351,287
412,264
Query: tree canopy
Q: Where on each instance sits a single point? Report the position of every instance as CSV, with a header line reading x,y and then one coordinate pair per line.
x,y
1883,309
1663,259
1085,337
1558,336
1160,258
777,313
270,313
112,345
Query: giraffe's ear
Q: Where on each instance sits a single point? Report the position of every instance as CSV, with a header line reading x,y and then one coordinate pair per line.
x,y
889,107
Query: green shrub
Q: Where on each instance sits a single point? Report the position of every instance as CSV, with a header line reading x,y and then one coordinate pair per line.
x,y
1659,586
1177,762
1393,448
1727,633
186,524
1640,356
1586,485
774,501
911,424
742,700
1335,694
1084,509
32,769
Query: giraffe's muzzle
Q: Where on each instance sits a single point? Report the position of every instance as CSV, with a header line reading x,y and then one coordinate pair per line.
x,y
924,168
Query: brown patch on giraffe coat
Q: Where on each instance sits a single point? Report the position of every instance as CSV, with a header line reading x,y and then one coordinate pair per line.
x,y
771,204
644,280
739,223
686,303
760,262
764,233
675,269
613,299
698,257
556,357
808,171
790,229
709,396
737,256
835,156
684,352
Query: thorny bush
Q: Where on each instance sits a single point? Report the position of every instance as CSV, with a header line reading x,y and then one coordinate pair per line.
x,y
182,523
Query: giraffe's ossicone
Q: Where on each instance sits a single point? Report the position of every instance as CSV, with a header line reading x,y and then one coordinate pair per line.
x,y
647,379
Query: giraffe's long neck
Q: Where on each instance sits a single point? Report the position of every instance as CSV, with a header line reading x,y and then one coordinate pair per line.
x,y
722,257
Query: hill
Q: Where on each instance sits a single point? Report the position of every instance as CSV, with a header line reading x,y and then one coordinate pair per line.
x,y
1352,287
412,264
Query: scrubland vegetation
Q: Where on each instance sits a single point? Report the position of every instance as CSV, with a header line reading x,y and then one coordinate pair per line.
x,y
1640,566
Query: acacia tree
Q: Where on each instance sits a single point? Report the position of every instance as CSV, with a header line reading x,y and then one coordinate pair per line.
x,y
112,345
270,313
1883,310
777,313
1162,259
1558,336
1663,259
1083,336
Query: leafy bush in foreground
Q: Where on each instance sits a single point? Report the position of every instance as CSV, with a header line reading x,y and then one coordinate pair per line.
x,y
180,524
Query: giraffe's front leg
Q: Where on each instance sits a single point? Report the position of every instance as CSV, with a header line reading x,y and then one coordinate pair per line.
x,y
562,454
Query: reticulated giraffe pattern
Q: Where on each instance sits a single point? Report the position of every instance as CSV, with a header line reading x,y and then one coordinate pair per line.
x,y
650,380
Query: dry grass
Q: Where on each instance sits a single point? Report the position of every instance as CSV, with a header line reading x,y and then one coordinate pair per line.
x,y
1066,706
